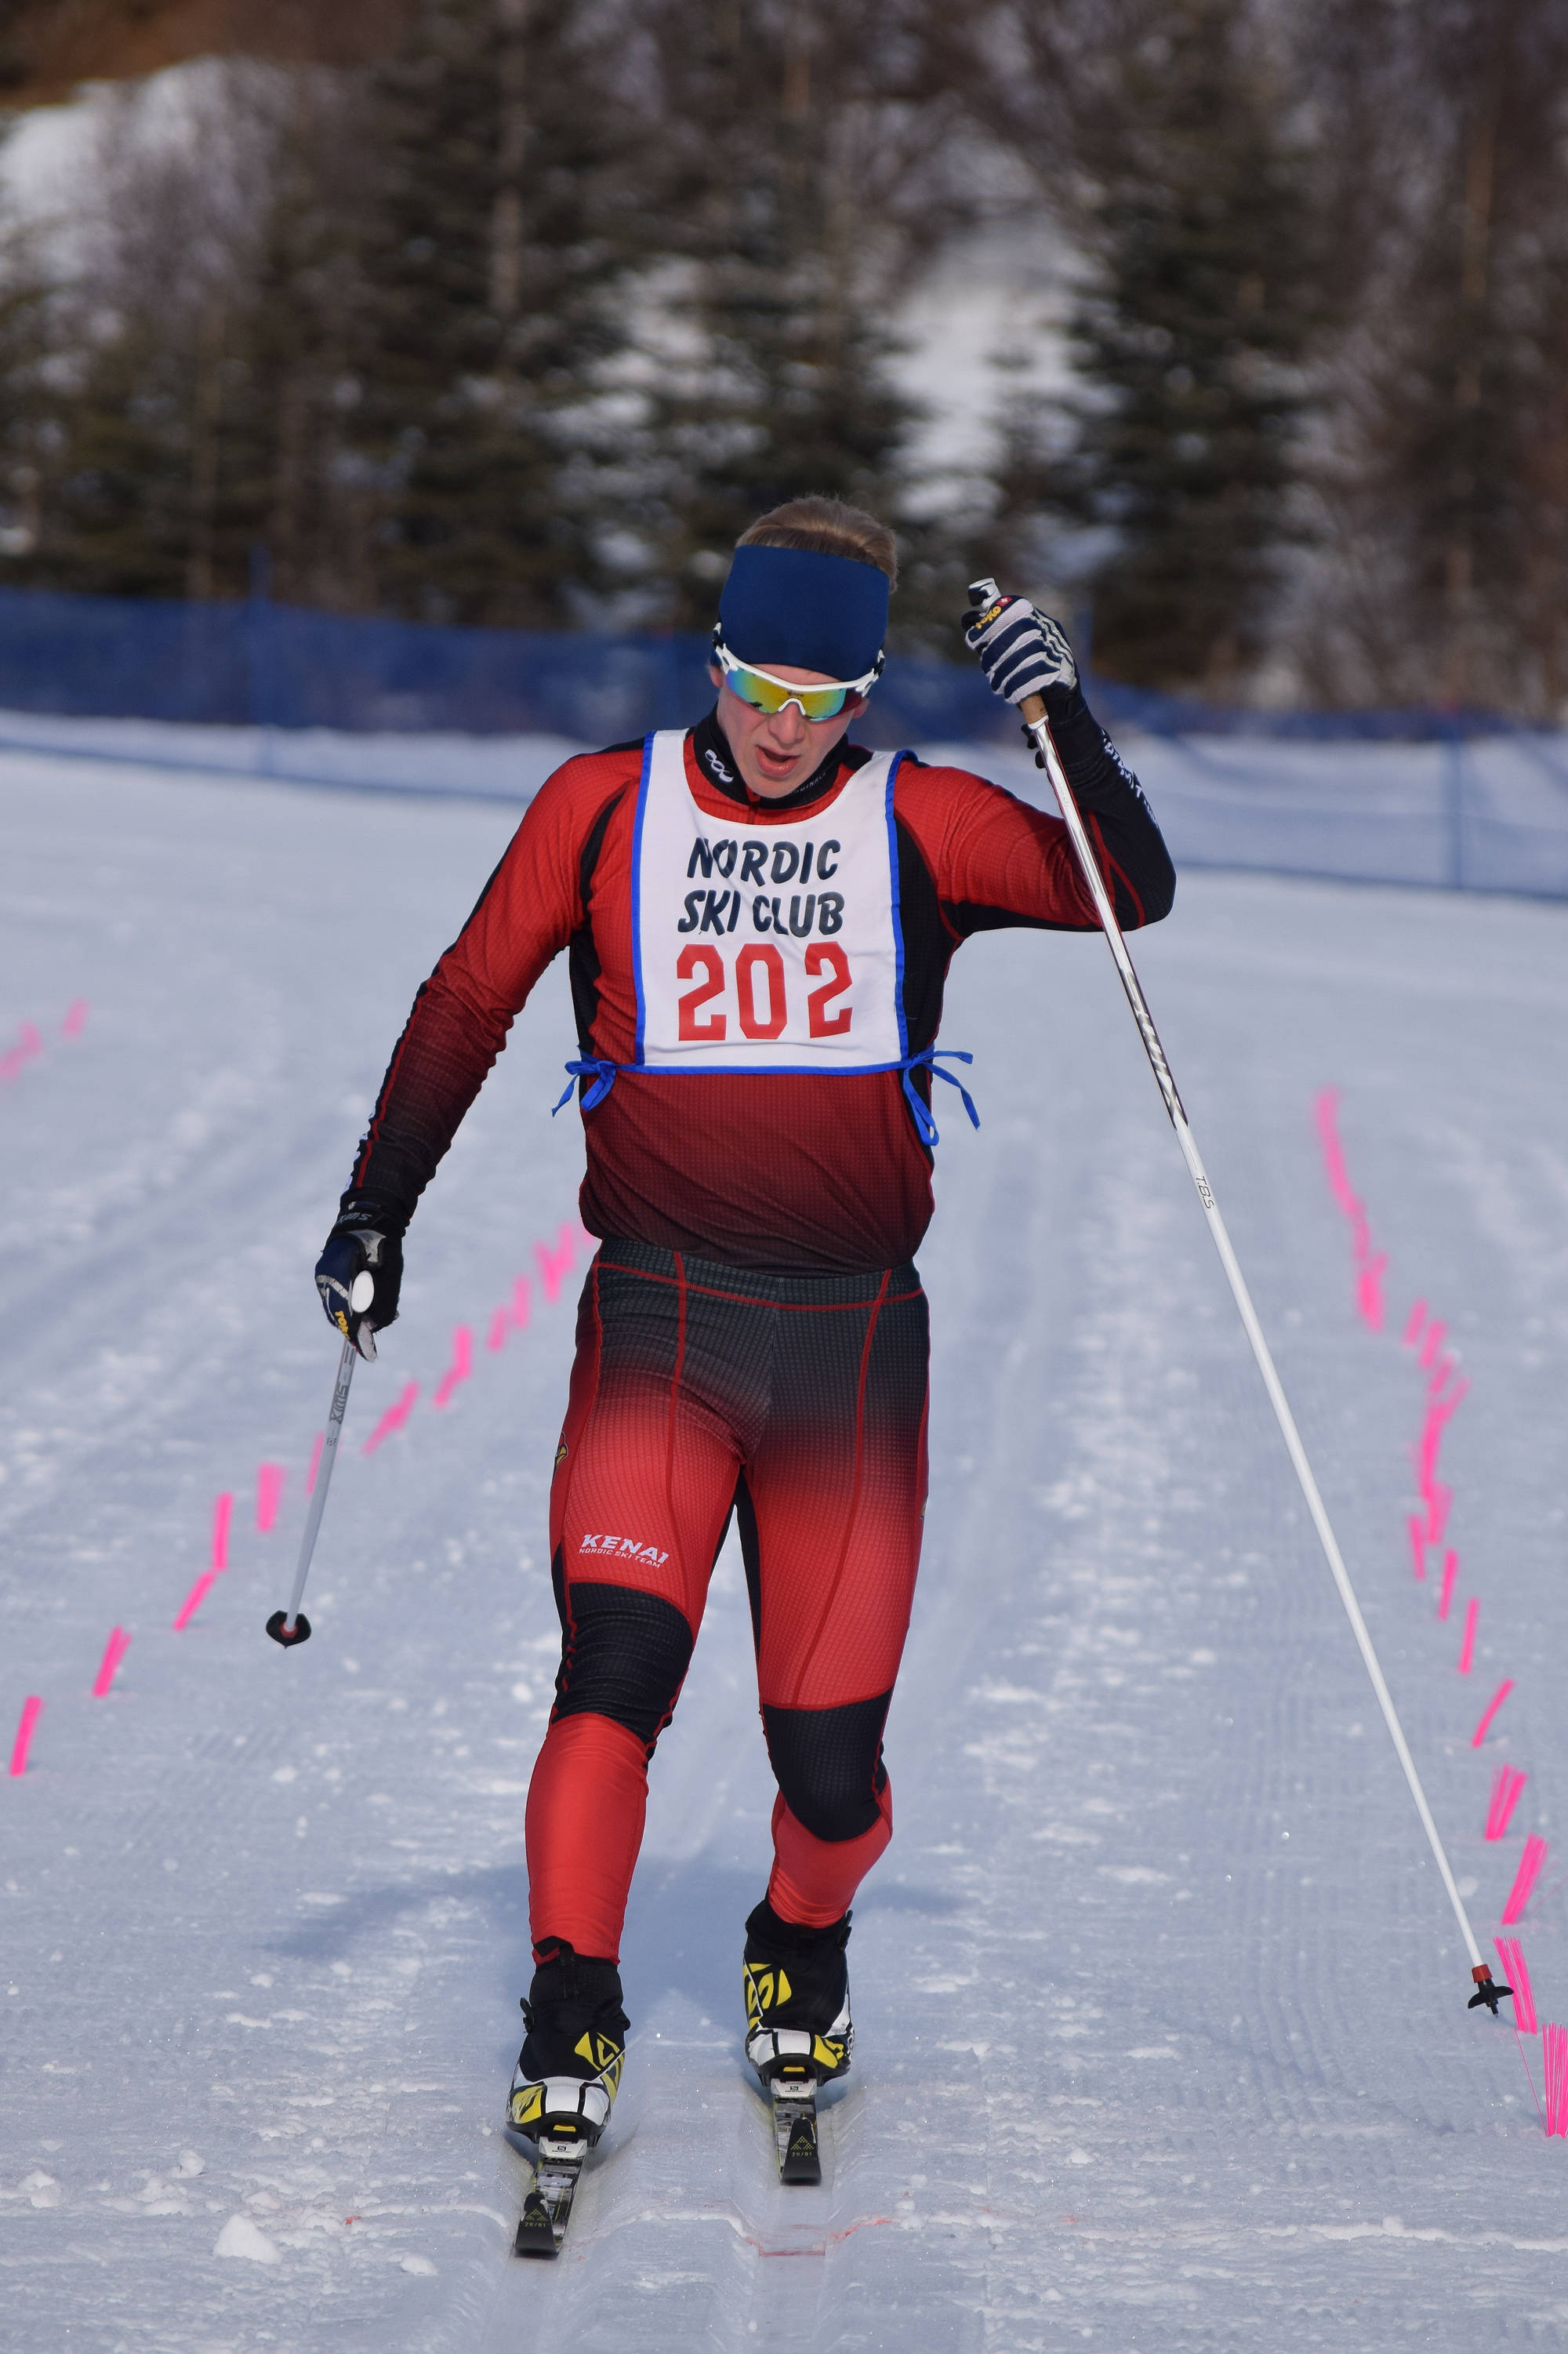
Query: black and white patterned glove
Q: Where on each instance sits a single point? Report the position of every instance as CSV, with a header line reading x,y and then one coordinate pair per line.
x,y
1021,652
360,1272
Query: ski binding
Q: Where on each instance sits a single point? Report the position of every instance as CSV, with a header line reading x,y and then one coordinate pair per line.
x,y
794,2095
548,2210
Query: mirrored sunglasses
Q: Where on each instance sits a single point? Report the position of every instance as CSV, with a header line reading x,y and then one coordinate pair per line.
x,y
765,693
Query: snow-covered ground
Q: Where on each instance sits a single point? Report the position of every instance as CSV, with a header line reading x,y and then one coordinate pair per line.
x,y
1162,2035
473,767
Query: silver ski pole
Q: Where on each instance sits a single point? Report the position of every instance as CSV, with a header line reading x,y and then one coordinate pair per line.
x,y
1033,712
290,1626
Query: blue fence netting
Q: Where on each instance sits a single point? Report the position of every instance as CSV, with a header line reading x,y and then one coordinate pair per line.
x,y
265,665
1460,797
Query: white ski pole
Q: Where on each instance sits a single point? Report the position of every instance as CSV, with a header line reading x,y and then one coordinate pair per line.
x,y
1039,726
290,1626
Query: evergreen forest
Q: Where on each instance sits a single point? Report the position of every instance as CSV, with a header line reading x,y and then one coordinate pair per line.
x,y
517,311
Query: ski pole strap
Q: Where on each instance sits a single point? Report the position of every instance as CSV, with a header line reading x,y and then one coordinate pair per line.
x,y
603,1075
924,1126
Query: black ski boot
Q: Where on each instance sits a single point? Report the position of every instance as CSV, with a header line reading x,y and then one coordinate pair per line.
x,y
569,2067
797,1999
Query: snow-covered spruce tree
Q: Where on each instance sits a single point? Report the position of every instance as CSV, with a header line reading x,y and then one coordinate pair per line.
x,y
135,496
494,235
804,149
1188,349
1443,573
286,482
118,511
29,342
195,409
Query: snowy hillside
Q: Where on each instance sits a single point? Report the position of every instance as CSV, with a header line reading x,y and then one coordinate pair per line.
x,y
1162,2028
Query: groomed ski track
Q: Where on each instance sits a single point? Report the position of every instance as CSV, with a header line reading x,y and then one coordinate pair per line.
x,y
1160,2028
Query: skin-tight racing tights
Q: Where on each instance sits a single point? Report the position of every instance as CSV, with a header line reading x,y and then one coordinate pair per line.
x,y
796,1401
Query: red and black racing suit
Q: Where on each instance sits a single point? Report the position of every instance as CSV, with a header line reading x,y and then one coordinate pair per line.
x,y
752,1335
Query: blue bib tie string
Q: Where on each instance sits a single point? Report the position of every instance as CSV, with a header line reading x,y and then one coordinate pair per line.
x,y
924,1126
603,1073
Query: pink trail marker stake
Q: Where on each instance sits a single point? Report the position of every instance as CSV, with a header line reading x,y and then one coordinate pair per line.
x,y
315,1463
1468,1642
1450,1572
393,1419
555,1265
1554,2068
76,1016
1368,1292
270,1482
1524,1880
1430,1346
1440,1379
29,1042
1326,1114
1417,1527
499,1324
195,1599
222,1513
1413,1330
1507,1785
32,1709
1511,1956
1491,1710
1369,1281
522,1303
460,1367
114,1650
1437,1504
1326,1111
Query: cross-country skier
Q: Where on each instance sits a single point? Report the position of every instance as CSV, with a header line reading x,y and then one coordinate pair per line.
x,y
758,918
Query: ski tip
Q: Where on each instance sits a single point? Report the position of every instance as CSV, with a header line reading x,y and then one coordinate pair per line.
x,y
535,2232
278,1627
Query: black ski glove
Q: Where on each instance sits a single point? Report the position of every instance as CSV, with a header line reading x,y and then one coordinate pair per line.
x,y
365,1247
1021,652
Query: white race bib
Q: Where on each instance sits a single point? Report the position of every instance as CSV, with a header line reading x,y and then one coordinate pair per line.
x,y
766,947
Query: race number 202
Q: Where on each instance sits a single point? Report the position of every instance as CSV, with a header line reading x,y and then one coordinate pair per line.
x,y
760,1003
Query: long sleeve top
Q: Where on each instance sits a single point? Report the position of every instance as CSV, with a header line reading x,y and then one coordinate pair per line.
x,y
792,1170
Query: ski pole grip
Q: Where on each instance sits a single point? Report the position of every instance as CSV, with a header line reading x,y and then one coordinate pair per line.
x,y
1032,708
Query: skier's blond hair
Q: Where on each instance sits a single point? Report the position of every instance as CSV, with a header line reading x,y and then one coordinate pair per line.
x,y
823,526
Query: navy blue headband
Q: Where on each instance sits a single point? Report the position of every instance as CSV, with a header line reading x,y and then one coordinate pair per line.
x,y
788,605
